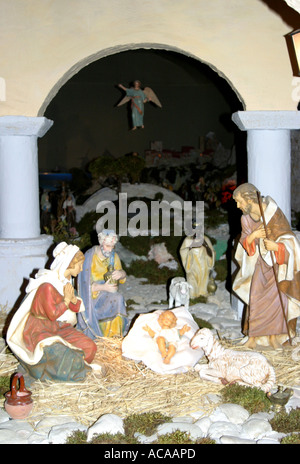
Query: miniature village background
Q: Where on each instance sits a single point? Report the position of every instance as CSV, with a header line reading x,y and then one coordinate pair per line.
x,y
91,151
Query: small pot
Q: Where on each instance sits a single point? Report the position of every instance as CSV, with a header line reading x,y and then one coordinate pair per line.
x,y
18,403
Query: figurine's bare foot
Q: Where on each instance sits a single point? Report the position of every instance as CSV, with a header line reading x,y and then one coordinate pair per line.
x,y
143,127
251,343
275,343
134,128
167,360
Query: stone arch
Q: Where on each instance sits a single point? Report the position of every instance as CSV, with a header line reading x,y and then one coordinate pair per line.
x,y
122,48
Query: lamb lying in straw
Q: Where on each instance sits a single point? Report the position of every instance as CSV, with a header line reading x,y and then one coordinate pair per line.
x,y
229,366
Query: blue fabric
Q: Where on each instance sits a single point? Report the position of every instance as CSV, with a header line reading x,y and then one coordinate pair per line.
x,y
138,97
59,363
103,308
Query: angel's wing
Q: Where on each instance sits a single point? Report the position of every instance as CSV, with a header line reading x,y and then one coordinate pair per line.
x,y
152,96
123,101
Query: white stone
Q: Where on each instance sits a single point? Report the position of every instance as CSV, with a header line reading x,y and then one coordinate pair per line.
x,y
4,417
17,426
185,419
256,428
144,440
262,415
220,322
234,412
37,439
204,423
59,433
213,397
44,425
231,440
209,308
218,429
108,423
267,441
218,416
9,437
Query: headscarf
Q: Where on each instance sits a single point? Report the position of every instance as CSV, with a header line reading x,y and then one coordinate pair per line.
x,y
63,254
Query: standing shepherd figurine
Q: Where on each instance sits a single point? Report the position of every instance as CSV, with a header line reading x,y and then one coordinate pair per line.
x,y
268,280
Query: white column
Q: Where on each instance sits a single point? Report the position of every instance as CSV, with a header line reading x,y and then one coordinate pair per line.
x,y
269,152
19,176
23,249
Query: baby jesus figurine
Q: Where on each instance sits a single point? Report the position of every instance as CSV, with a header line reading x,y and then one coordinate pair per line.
x,y
168,335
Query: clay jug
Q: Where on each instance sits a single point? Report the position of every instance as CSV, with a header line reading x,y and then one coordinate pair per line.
x,y
18,403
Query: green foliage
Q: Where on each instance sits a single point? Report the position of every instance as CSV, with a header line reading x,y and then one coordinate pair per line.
x,y
87,223
178,436
62,234
4,384
151,272
181,438
145,423
102,166
78,437
221,269
202,323
251,398
292,439
127,165
286,422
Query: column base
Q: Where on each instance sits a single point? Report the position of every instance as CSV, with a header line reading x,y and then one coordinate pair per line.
x,y
20,259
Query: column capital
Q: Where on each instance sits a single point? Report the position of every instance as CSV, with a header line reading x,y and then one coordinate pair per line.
x,y
266,120
24,126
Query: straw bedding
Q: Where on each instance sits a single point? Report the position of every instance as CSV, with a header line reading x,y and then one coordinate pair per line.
x,y
129,387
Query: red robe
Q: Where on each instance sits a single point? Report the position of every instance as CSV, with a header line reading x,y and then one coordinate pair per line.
x,y
47,306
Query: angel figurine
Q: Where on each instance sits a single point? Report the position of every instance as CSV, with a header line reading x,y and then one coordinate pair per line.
x,y
138,98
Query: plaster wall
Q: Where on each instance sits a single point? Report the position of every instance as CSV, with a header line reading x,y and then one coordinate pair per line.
x,y
44,43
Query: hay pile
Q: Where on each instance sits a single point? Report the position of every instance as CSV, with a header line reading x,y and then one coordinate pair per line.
x,y
129,387
126,388
8,364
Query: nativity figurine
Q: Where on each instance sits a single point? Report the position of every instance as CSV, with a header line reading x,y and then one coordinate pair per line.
x,y
168,336
162,347
105,308
138,97
268,278
226,366
41,333
198,260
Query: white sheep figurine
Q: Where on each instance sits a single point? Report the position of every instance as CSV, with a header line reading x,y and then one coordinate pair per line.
x,y
228,366
179,293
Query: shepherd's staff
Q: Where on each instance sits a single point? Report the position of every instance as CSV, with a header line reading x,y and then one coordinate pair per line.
x,y
273,266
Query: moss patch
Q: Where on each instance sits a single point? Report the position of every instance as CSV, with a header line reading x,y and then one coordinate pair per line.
x,y
286,422
251,398
4,385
